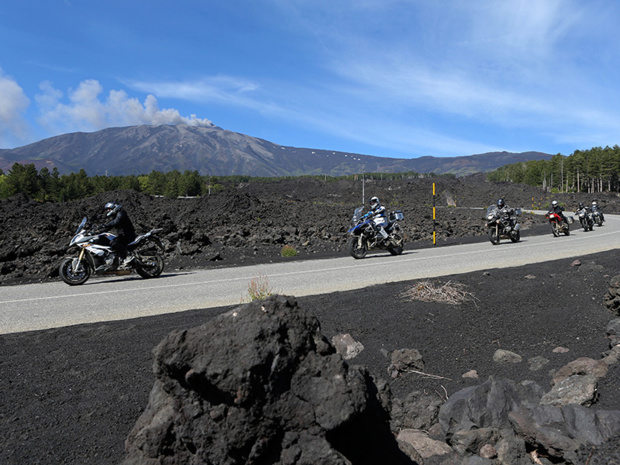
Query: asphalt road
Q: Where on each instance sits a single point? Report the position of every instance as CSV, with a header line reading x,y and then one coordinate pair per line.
x,y
49,305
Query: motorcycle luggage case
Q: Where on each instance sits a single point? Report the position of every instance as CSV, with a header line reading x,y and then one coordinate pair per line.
x,y
397,215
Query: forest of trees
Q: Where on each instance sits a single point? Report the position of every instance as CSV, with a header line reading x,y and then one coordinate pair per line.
x,y
46,185
593,170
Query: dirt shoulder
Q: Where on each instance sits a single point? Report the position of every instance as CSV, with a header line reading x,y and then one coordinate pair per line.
x,y
71,395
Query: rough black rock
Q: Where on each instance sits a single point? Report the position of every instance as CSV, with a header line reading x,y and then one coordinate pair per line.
x,y
261,384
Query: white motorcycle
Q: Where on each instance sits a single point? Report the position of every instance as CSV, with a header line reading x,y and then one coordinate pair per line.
x,y
95,256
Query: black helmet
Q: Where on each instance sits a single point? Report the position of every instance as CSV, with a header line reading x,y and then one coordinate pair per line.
x,y
374,202
111,208
501,203
581,205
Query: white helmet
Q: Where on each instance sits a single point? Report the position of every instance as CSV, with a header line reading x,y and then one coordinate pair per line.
x,y
374,202
554,203
594,203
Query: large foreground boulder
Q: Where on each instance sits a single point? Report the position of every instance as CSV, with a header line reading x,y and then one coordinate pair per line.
x,y
261,384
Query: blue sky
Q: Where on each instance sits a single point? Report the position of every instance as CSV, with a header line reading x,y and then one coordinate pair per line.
x,y
398,78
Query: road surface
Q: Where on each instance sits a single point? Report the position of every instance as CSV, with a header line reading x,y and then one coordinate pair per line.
x,y
49,305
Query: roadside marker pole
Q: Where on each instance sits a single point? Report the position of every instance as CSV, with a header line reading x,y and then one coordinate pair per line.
x,y
434,225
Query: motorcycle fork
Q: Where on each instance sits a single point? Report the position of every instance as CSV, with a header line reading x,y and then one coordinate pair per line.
x,y
77,262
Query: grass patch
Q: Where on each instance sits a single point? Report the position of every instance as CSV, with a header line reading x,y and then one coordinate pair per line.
x,y
259,288
288,251
447,293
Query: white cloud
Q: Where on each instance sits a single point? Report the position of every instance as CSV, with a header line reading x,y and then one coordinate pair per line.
x,y
13,104
88,110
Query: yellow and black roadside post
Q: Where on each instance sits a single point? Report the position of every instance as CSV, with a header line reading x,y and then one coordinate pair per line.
x,y
434,224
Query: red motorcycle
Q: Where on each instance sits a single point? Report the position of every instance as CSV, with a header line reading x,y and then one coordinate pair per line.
x,y
558,225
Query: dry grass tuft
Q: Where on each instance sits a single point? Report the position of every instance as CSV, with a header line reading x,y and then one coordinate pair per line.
x,y
448,293
259,288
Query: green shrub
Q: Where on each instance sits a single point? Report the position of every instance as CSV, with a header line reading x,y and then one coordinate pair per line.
x,y
288,251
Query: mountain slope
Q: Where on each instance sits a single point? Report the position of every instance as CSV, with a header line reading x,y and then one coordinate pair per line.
x,y
213,150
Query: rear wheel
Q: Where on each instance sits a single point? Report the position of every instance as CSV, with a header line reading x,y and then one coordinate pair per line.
x,y
396,249
74,272
566,230
149,266
355,249
516,236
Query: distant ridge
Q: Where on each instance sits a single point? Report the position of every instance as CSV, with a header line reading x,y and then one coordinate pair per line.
x,y
216,151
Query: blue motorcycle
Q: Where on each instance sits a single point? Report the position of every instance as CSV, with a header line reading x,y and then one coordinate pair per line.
x,y
364,234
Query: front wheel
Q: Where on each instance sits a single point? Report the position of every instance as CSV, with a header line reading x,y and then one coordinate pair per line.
x,y
355,249
494,235
74,272
555,229
149,266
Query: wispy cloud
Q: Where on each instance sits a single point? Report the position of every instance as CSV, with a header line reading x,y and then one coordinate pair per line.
x,y
219,89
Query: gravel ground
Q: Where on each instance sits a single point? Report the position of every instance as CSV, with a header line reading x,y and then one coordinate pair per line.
x,y
71,395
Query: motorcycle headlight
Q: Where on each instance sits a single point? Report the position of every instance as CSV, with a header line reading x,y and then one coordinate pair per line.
x,y
490,217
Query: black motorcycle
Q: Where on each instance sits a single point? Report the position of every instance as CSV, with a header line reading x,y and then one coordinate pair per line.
x,y
95,256
364,235
502,226
585,218
597,217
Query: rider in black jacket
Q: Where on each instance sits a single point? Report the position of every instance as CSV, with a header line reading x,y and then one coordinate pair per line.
x,y
125,232
558,209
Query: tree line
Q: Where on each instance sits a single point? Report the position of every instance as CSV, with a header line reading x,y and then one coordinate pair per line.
x,y
46,185
593,170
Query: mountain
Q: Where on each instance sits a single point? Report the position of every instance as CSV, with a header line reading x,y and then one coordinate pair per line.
x,y
213,150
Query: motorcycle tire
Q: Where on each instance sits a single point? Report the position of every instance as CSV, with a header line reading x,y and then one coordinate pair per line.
x,y
494,238
515,237
555,229
71,277
355,250
396,249
149,266
599,222
566,230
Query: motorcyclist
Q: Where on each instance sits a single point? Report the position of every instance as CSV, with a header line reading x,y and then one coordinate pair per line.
x,y
506,212
125,233
379,217
558,210
596,208
580,207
